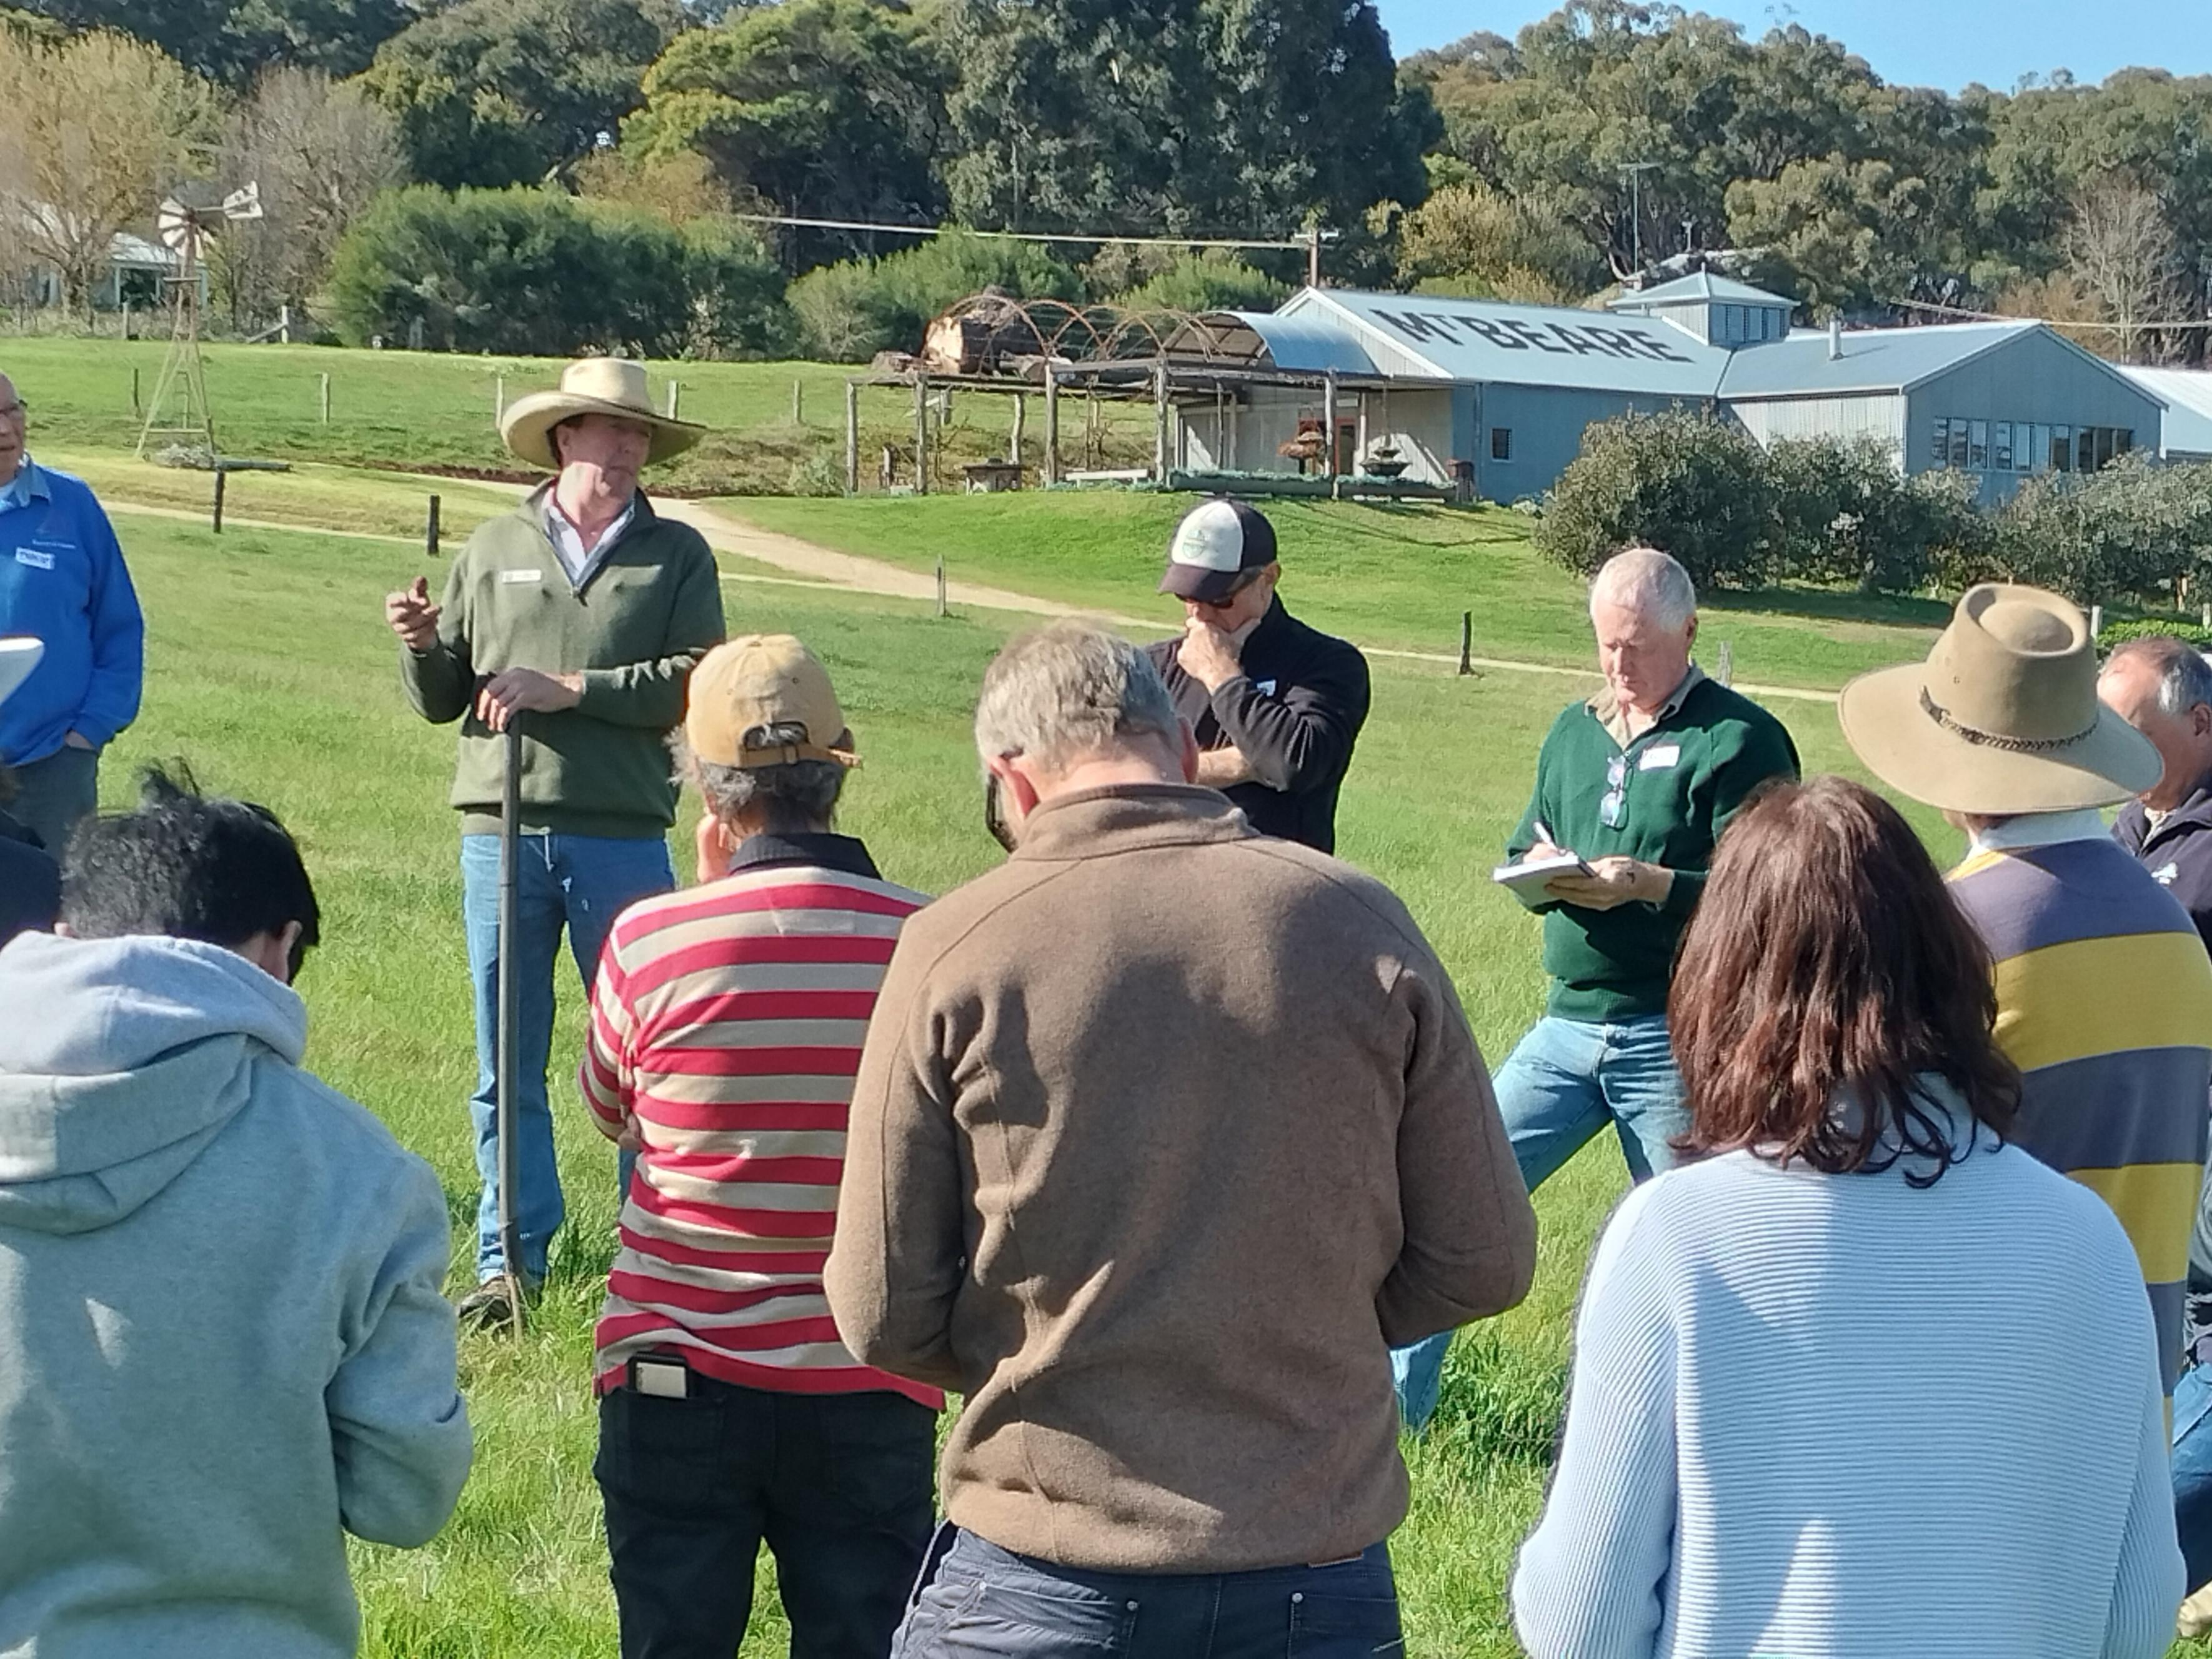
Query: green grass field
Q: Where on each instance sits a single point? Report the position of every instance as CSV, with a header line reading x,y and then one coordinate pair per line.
x,y
270,670
433,410
1398,576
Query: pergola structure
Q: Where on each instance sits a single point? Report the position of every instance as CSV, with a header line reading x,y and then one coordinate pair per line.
x,y
1018,349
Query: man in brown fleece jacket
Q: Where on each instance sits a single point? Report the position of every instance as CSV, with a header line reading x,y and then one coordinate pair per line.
x,y
1164,1134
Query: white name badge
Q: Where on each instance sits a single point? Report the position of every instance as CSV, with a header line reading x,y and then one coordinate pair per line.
x,y
1265,688
36,557
1659,758
518,577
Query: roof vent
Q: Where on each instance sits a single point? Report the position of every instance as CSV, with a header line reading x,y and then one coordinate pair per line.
x,y
1835,337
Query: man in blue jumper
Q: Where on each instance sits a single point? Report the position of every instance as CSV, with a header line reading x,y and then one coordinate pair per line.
x,y
62,582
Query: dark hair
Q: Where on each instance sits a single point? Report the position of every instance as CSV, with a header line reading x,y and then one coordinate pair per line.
x,y
1827,962
797,798
188,866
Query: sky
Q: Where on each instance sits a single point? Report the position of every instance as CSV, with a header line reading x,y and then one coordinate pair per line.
x,y
1935,43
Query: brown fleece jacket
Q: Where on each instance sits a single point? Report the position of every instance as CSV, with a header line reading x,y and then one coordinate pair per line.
x,y
1165,1134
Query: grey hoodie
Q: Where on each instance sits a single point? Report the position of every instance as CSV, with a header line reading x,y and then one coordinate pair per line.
x,y
222,1339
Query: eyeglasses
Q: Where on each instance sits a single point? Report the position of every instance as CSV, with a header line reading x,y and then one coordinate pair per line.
x,y
1612,808
15,411
1229,598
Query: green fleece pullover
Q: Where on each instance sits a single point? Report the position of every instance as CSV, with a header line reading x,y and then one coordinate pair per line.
x,y
1682,781
649,607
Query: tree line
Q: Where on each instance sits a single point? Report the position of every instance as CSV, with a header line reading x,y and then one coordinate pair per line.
x,y
1608,136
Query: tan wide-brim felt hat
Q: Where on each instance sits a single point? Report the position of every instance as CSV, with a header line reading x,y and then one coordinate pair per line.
x,y
2003,716
591,386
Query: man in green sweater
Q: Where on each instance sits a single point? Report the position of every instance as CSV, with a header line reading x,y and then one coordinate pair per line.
x,y
1639,780
580,614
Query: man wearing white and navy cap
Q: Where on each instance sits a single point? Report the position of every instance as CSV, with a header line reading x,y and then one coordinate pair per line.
x,y
1275,705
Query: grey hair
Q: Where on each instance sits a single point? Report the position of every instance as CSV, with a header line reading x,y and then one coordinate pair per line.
x,y
1648,582
797,798
2184,678
1060,693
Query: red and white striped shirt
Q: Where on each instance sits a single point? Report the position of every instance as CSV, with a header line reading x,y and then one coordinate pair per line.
x,y
726,1027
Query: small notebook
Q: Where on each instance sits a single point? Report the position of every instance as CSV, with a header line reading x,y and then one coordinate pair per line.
x,y
1526,881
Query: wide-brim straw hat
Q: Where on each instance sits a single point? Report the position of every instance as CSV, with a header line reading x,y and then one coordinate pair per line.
x,y
2003,716
19,655
593,385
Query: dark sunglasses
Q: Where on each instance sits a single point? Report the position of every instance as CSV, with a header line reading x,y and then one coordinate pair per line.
x,y
1228,598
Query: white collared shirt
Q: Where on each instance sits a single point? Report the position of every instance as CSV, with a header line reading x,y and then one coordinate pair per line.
x,y
2040,830
577,557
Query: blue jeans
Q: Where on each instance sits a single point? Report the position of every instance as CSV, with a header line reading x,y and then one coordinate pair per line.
x,y
582,882
976,1601
1565,1082
2192,1471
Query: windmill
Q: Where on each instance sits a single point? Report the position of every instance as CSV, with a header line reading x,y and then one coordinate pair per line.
x,y
179,408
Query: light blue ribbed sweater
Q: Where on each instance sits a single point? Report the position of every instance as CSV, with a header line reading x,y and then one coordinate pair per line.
x,y
1831,1415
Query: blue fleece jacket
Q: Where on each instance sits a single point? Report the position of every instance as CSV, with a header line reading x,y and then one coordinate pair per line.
x,y
222,1340
62,578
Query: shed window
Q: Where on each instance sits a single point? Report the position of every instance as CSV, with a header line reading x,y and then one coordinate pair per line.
x,y
2001,446
1958,444
1978,445
1501,443
2038,454
1939,452
2061,449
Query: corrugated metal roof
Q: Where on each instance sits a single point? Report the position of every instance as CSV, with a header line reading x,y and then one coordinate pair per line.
x,y
1698,285
1308,341
1874,360
1486,340
2187,395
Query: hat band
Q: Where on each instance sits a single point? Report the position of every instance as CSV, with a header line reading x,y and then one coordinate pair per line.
x,y
1943,717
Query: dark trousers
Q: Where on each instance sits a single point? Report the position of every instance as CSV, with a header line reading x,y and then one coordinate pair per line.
x,y
53,795
978,1602
839,1486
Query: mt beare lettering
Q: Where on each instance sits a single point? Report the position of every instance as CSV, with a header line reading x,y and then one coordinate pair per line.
x,y
1511,334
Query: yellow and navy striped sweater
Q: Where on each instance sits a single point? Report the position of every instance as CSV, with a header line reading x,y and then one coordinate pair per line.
x,y
2104,1003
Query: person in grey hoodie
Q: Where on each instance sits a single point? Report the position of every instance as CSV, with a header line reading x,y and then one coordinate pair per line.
x,y
223,1345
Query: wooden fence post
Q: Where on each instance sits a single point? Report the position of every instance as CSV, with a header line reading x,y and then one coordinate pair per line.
x,y
1014,441
498,398
920,433
1467,641
675,393
1160,422
430,530
221,476
326,399
1051,426
798,402
852,438
940,585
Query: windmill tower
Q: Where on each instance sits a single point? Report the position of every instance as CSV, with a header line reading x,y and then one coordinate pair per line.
x,y
179,409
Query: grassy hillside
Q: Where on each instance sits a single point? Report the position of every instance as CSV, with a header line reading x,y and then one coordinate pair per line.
x,y
432,409
1391,575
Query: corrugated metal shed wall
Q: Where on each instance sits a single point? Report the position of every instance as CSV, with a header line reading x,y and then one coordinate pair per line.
x,y
1546,426
1875,417
2038,379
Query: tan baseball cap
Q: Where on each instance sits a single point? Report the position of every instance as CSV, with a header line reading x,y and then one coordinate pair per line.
x,y
764,679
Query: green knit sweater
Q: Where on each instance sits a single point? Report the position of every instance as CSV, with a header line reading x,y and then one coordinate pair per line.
x,y
647,611
1684,779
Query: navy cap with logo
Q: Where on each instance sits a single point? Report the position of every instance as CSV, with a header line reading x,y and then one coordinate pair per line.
x,y
1218,547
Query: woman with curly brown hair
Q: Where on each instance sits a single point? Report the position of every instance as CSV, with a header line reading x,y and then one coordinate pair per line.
x,y
1858,1379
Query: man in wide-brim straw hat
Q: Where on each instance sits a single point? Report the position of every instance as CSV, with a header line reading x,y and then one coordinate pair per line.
x,y
2104,993
580,614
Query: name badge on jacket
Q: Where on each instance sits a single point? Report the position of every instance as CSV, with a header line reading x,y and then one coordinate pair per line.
x,y
516,578
1659,758
36,557
1265,688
